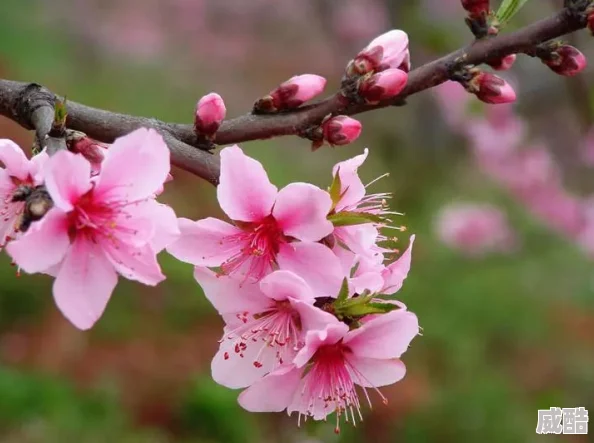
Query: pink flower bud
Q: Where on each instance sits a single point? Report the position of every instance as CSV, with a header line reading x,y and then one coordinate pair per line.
x,y
383,85
389,50
297,90
503,64
210,112
566,60
476,7
341,130
591,23
491,89
90,149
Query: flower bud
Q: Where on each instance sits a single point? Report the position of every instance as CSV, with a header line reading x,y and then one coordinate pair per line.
x,y
503,64
210,113
591,22
341,130
491,89
476,7
566,60
383,85
389,50
292,93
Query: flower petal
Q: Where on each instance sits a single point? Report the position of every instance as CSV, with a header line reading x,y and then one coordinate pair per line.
x,y
67,178
282,285
138,263
352,188
312,318
43,245
301,210
14,159
373,372
331,334
272,393
84,283
385,336
230,295
36,167
163,219
396,272
206,242
245,192
136,167
315,263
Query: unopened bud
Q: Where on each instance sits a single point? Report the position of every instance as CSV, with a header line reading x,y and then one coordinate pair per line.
x,y
90,149
566,60
491,89
210,113
389,50
383,85
504,63
341,130
476,7
292,93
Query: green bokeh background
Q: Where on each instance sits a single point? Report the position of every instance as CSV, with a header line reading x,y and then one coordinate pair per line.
x,y
502,336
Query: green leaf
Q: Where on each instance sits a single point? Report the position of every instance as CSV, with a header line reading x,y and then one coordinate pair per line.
x,y
343,294
350,218
335,189
60,113
370,308
508,9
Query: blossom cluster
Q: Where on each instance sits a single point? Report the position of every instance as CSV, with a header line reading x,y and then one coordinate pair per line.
x,y
301,278
301,275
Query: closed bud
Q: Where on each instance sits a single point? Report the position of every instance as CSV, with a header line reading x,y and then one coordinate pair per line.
x,y
210,113
90,149
341,130
292,93
504,63
383,85
491,89
389,50
476,7
566,60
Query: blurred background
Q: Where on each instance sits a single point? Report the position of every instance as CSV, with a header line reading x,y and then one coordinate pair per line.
x,y
502,277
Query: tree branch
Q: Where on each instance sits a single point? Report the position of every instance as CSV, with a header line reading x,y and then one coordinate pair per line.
x,y
31,105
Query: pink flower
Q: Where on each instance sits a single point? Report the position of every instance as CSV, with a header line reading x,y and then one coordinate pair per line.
x,y
265,323
383,85
504,63
492,89
332,362
566,60
17,179
210,113
296,91
475,229
389,50
341,130
100,226
267,224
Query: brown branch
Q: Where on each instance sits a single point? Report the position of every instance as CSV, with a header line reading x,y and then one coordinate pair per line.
x,y
29,104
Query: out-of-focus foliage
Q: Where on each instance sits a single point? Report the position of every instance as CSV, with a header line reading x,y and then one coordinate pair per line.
x,y
503,335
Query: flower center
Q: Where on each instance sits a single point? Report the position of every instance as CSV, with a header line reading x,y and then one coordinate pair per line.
x,y
260,244
275,332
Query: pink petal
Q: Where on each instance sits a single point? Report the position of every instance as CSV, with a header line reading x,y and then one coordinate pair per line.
x,y
229,295
244,192
352,188
272,393
315,263
163,220
358,238
67,178
373,372
237,371
301,210
136,167
331,334
386,336
44,245
312,318
84,283
36,167
207,242
14,159
137,263
395,273
282,285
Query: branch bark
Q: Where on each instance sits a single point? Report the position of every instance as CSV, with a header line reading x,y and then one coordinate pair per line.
x,y
32,105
